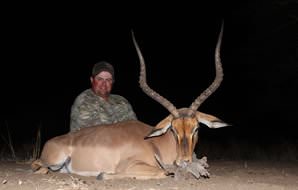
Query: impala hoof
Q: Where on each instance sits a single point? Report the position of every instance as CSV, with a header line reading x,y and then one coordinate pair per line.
x,y
170,174
100,176
42,171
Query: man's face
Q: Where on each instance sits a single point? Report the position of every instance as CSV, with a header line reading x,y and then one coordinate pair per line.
x,y
102,84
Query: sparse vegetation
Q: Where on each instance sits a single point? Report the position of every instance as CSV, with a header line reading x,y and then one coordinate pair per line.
x,y
25,152
8,142
37,145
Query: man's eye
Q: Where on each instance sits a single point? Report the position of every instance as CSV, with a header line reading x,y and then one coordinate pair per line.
x,y
109,80
99,79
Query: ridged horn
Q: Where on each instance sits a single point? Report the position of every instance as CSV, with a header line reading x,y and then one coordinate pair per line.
x,y
146,89
217,81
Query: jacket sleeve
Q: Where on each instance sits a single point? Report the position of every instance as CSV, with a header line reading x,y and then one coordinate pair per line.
x,y
82,112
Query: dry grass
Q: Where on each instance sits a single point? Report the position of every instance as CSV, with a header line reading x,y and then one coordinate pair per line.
x,y
26,153
9,142
37,145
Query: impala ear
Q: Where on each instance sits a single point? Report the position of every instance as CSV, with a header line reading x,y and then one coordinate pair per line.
x,y
161,128
210,120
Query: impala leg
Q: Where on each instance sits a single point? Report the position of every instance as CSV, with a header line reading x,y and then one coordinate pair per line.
x,y
39,167
139,170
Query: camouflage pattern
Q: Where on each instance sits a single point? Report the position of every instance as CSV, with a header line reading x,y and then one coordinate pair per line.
x,y
89,110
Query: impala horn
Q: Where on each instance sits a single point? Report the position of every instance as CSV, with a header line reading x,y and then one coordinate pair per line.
x,y
146,89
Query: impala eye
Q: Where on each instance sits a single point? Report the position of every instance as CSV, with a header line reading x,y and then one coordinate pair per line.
x,y
195,130
175,132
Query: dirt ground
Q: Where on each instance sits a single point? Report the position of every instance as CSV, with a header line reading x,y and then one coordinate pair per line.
x,y
225,175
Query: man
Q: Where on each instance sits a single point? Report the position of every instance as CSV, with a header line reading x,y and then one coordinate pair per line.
x,y
96,105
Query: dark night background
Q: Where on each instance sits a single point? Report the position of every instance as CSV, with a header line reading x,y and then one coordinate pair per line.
x,y
48,52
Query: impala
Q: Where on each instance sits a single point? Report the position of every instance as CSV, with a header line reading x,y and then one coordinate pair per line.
x,y
131,148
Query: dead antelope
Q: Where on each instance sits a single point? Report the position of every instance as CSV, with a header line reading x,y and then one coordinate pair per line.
x,y
131,148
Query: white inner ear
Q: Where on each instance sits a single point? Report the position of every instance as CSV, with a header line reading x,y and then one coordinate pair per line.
x,y
160,131
214,124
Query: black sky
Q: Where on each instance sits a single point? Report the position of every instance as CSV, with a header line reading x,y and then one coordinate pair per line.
x,y
47,55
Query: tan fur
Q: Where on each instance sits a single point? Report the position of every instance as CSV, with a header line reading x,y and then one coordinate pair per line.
x,y
120,150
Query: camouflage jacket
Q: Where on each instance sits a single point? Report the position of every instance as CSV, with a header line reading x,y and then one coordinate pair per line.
x,y
89,109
